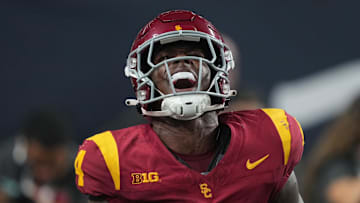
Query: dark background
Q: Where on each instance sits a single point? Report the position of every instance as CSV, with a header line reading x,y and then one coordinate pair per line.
x,y
70,54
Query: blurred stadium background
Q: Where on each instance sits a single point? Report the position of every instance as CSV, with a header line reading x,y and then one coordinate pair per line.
x,y
299,55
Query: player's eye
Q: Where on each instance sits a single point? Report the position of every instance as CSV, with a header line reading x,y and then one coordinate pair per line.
x,y
164,58
196,53
161,58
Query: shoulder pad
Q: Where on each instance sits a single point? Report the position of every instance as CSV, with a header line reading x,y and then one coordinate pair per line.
x,y
290,132
108,147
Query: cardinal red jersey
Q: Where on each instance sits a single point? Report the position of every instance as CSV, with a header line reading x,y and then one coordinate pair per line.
x,y
132,164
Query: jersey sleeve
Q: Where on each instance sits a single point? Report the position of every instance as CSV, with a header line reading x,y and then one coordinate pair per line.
x,y
290,133
97,166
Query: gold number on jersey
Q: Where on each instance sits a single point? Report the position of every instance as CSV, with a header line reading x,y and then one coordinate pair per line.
x,y
77,165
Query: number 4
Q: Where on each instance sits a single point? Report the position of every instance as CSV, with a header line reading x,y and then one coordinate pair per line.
x,y
77,165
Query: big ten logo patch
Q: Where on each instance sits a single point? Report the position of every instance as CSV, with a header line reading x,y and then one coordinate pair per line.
x,y
205,190
150,177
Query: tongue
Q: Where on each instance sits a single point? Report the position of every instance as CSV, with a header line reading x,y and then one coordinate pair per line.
x,y
183,76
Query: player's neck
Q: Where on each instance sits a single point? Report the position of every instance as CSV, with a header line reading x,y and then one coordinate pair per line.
x,y
188,137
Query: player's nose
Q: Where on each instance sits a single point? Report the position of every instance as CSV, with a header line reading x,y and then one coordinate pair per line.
x,y
183,61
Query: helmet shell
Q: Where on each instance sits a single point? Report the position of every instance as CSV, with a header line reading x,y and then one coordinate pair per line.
x,y
172,21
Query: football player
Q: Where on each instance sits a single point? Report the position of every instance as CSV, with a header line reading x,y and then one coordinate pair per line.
x,y
179,67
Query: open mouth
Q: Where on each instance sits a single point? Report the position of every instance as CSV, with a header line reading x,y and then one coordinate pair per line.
x,y
183,80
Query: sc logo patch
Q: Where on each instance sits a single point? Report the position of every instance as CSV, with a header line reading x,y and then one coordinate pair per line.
x,y
205,190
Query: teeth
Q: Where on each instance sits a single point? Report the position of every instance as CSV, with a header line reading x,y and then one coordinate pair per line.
x,y
182,76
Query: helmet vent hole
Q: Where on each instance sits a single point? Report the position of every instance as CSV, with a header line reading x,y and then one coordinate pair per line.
x,y
188,103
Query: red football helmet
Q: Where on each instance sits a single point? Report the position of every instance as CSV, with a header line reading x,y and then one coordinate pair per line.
x,y
169,27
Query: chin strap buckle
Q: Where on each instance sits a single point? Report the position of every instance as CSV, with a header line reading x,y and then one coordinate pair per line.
x,y
131,102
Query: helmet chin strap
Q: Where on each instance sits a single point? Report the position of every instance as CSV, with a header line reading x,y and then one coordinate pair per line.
x,y
184,107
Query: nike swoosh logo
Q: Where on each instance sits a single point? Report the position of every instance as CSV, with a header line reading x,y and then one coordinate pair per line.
x,y
252,165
